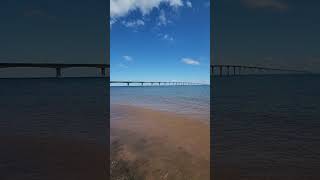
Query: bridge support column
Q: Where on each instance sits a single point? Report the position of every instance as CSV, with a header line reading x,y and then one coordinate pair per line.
x,y
228,73
141,83
234,70
220,70
159,83
103,72
239,71
128,84
58,72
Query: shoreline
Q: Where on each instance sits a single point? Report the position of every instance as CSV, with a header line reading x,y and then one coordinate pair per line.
x,y
158,144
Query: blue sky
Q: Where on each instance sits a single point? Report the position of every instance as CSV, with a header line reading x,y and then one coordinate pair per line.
x,y
161,40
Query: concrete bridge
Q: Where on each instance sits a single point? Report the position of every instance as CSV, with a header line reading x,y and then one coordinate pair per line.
x,y
228,69
158,83
239,69
57,66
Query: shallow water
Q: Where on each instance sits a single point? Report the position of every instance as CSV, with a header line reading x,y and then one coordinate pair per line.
x,y
184,100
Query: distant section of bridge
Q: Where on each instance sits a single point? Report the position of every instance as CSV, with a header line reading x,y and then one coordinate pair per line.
x,y
158,83
228,70
57,66
220,70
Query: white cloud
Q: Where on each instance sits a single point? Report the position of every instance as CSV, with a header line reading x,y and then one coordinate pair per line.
x,y
134,23
189,4
162,18
127,58
167,37
190,61
120,8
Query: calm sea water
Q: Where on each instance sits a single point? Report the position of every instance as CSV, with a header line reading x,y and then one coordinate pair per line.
x,y
266,126
184,100
36,114
70,107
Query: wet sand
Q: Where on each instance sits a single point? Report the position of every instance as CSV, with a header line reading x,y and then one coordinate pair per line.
x,y
29,157
148,144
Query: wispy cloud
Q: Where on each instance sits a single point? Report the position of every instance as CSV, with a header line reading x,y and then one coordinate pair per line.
x,y
166,37
127,58
123,65
189,4
190,61
120,8
266,4
135,23
162,18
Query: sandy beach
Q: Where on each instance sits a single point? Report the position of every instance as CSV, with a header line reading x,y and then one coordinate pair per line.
x,y
149,144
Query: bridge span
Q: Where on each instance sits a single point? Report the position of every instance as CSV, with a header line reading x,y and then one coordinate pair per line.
x,y
158,83
57,66
239,69
219,68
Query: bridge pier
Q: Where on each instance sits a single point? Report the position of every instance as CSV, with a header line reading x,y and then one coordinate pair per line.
x,y
58,72
228,73
141,83
220,71
234,70
103,72
128,84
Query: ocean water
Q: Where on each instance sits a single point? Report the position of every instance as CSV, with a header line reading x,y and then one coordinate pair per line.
x,y
39,113
184,100
266,127
54,107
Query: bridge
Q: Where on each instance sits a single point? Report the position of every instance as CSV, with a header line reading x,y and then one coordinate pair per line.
x,y
238,69
57,66
158,83
228,69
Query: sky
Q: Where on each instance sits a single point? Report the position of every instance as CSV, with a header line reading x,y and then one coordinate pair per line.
x,y
272,33
52,31
160,40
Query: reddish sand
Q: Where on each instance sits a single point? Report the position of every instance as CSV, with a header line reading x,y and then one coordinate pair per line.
x,y
158,145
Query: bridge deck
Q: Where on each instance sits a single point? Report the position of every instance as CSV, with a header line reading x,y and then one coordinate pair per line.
x,y
240,68
52,65
221,67
155,83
